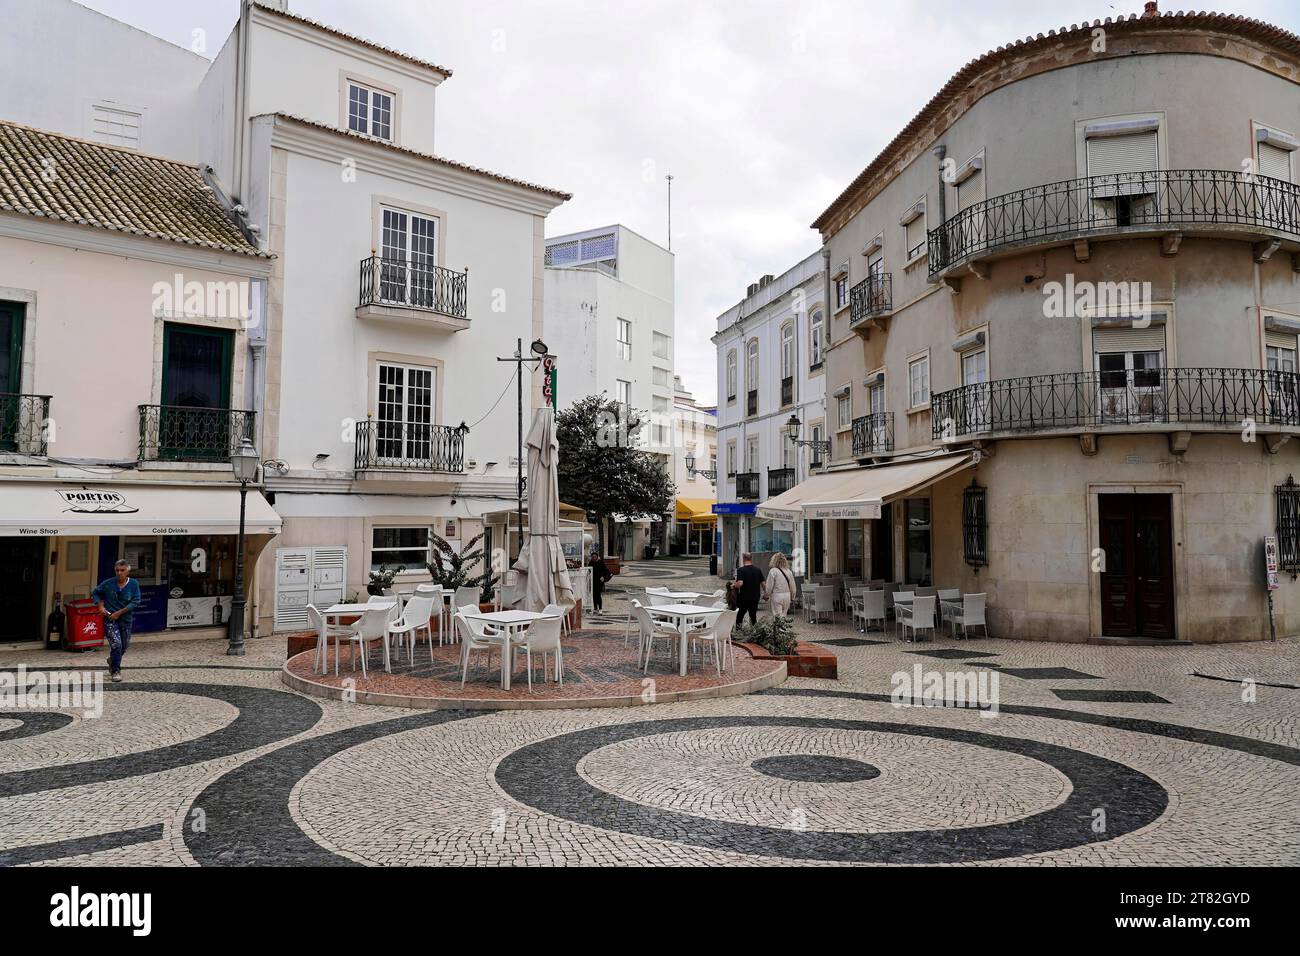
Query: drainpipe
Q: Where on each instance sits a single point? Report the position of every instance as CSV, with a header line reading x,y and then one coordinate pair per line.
x,y
241,99
939,153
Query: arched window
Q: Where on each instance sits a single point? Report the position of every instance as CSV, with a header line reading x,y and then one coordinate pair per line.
x,y
787,351
751,366
731,375
816,339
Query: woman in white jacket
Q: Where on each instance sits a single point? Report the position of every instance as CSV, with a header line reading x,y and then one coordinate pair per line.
x,y
779,587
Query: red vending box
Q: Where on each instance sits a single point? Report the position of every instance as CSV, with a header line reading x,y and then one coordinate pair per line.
x,y
85,629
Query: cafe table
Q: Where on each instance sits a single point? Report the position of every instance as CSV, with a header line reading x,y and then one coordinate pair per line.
x,y
681,613
337,611
509,623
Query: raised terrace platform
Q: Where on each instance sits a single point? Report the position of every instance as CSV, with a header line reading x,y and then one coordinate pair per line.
x,y
600,670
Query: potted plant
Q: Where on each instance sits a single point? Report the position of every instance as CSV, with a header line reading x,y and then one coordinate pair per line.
x,y
382,579
451,568
774,634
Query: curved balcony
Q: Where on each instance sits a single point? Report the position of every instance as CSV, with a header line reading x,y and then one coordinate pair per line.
x,y
873,435
1167,202
1165,399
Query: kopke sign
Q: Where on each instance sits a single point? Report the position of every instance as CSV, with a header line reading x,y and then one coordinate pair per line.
x,y
198,611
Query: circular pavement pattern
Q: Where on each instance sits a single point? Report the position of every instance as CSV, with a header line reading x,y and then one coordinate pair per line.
x,y
816,768
546,776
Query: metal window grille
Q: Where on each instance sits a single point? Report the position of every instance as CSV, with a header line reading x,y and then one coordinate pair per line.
x,y
974,524
1288,525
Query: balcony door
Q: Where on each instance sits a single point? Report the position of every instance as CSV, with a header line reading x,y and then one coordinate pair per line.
x,y
194,421
11,374
1280,355
876,397
1130,374
1137,582
404,415
410,258
975,372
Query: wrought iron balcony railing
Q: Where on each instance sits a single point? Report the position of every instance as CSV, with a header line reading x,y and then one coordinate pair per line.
x,y
182,433
23,421
1164,200
401,446
873,296
779,481
395,282
787,391
1226,397
747,486
873,434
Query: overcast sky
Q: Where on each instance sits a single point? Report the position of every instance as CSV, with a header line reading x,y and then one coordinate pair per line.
x,y
762,111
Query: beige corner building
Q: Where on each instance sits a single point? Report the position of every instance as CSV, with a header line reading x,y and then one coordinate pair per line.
x,y
1066,305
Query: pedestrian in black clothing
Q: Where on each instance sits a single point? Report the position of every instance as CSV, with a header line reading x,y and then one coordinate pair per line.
x,y
750,581
599,575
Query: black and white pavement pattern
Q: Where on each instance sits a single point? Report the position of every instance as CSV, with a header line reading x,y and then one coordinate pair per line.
x,y
1096,756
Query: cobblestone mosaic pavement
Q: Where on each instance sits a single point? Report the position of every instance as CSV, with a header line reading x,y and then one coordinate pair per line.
x,y
1096,755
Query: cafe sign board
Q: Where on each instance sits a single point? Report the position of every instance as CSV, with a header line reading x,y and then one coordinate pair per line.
x,y
1271,561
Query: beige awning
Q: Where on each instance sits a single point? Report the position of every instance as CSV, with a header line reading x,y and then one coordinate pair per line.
x,y
49,510
859,492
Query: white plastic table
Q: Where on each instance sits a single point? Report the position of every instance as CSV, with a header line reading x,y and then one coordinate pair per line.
x,y
510,622
681,613
340,610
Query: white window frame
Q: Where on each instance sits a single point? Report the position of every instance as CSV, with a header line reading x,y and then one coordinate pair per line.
x,y
844,412
372,550
753,453
405,426
623,392
751,366
918,360
918,211
787,351
623,336
840,290
731,458
374,118
1260,132
100,110
816,338
731,375
655,338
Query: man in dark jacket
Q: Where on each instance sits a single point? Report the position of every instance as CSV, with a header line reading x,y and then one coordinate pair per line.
x,y
750,581
599,576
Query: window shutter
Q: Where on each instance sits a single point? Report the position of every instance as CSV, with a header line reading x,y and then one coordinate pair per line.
x,y
969,192
1274,162
1112,155
1128,340
1280,340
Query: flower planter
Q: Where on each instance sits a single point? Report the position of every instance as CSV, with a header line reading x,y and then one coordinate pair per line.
x,y
808,660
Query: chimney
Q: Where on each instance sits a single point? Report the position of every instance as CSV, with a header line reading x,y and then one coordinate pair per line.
x,y
1152,10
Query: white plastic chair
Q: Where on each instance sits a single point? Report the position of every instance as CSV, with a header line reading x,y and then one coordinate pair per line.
x,y
711,600
414,619
971,614
808,595
324,631
543,635
373,626
711,632
921,618
477,636
465,596
650,631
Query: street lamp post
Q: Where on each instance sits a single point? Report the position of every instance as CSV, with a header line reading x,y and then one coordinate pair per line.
x,y
819,447
244,463
539,350
710,473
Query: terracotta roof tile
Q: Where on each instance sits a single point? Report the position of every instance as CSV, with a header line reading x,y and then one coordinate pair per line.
x,y
108,187
450,163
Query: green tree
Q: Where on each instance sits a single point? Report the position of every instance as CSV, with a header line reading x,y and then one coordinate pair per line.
x,y
602,469
451,569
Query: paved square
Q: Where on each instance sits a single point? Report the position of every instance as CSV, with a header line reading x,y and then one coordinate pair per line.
x,y
200,759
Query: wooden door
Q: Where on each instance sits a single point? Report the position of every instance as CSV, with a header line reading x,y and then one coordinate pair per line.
x,y
1137,586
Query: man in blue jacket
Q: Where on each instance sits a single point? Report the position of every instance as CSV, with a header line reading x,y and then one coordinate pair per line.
x,y
118,598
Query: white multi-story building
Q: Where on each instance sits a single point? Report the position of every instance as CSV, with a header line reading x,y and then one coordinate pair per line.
x,y
609,322
399,276
695,451
771,349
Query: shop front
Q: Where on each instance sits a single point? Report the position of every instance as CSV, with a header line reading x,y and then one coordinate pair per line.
x,y
695,527
734,518
60,540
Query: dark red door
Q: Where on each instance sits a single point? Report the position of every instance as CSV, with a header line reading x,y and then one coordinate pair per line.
x,y
1137,582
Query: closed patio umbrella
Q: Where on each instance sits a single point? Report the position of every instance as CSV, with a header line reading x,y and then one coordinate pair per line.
x,y
541,574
